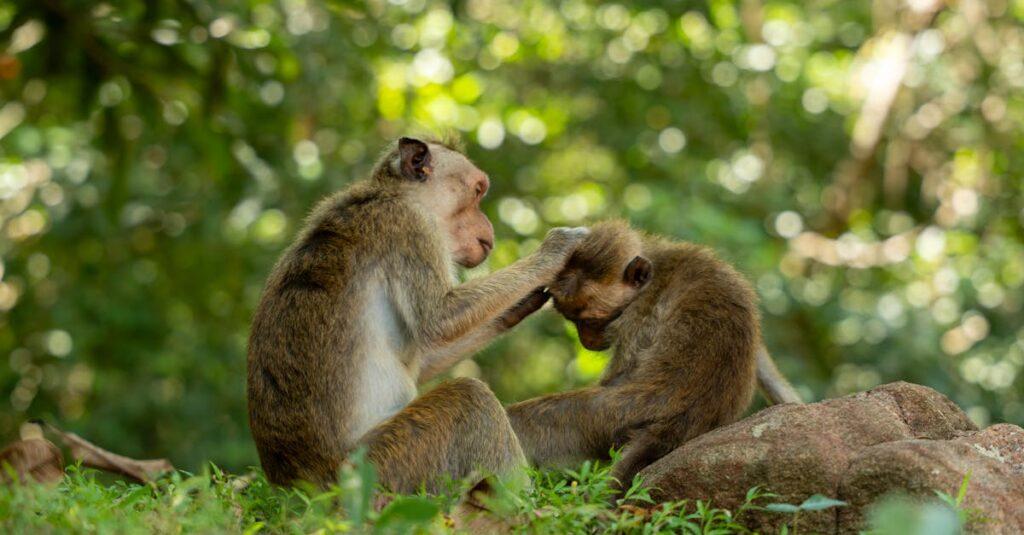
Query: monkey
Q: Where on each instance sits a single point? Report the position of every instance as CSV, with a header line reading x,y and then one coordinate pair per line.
x,y
363,308
685,330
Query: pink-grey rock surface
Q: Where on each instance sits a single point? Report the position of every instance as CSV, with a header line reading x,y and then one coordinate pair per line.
x,y
899,437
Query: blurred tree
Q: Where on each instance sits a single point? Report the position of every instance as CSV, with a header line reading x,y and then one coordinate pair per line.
x,y
859,160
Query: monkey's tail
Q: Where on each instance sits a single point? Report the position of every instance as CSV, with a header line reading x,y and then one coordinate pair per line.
x,y
772,383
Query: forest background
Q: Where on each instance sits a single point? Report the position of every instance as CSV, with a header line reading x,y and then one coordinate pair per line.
x,y
860,161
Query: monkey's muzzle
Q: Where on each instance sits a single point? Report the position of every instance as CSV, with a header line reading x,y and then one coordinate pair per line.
x,y
592,334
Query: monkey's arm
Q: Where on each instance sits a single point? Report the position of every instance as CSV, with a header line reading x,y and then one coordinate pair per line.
x,y
772,383
444,319
445,357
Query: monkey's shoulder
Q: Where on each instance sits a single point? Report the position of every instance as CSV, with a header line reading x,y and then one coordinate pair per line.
x,y
355,230
361,216
357,206
689,274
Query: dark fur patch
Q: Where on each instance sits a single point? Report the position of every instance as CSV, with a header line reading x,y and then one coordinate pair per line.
x,y
317,241
302,281
361,200
272,381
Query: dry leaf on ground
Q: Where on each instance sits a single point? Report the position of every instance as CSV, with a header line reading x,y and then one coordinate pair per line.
x,y
33,458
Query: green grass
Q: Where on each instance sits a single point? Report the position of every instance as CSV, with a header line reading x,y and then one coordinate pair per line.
x,y
575,501
214,502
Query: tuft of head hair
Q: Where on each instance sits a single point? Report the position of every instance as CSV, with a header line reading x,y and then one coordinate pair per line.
x,y
385,168
606,250
449,138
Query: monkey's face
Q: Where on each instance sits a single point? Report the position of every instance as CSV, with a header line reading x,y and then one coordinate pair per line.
x,y
592,304
450,187
470,233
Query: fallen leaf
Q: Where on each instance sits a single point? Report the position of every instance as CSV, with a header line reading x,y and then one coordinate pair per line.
x,y
94,456
33,458
240,483
635,510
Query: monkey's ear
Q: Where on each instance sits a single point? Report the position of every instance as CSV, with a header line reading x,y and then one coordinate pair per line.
x,y
638,272
567,284
414,159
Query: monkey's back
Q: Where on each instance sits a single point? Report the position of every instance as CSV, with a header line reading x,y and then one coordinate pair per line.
x,y
691,336
306,339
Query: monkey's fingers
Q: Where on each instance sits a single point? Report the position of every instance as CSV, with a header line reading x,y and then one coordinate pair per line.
x,y
530,304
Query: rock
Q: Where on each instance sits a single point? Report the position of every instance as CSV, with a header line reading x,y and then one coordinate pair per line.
x,y
994,457
1004,442
800,450
927,412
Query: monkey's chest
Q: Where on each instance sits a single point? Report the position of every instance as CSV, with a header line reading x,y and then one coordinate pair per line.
x,y
385,388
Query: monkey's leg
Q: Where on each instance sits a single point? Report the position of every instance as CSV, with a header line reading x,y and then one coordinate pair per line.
x,y
570,427
645,448
455,430
665,434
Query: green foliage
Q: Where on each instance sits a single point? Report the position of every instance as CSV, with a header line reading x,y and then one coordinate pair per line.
x,y
902,515
214,502
156,157
816,502
570,501
906,517
956,503
210,502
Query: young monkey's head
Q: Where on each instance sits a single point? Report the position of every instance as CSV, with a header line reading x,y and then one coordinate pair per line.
x,y
603,276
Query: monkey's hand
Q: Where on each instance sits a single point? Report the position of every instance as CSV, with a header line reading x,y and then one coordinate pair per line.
x,y
560,243
530,304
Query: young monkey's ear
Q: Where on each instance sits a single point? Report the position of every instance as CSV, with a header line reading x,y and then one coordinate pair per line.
x,y
638,272
566,285
414,159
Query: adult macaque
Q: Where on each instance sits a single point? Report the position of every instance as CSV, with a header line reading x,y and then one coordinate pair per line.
x,y
363,307
685,331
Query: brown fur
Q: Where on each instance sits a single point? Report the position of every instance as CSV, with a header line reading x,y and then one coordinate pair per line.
x,y
685,351
362,308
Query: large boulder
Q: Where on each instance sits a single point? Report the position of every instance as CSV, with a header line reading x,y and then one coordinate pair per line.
x,y
994,457
848,448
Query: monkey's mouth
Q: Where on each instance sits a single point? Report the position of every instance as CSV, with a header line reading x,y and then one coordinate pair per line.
x,y
591,334
486,245
469,257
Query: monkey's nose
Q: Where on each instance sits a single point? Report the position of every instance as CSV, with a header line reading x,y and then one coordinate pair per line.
x,y
486,244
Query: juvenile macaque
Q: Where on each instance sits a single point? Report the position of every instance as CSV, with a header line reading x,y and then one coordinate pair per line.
x,y
684,327
363,308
